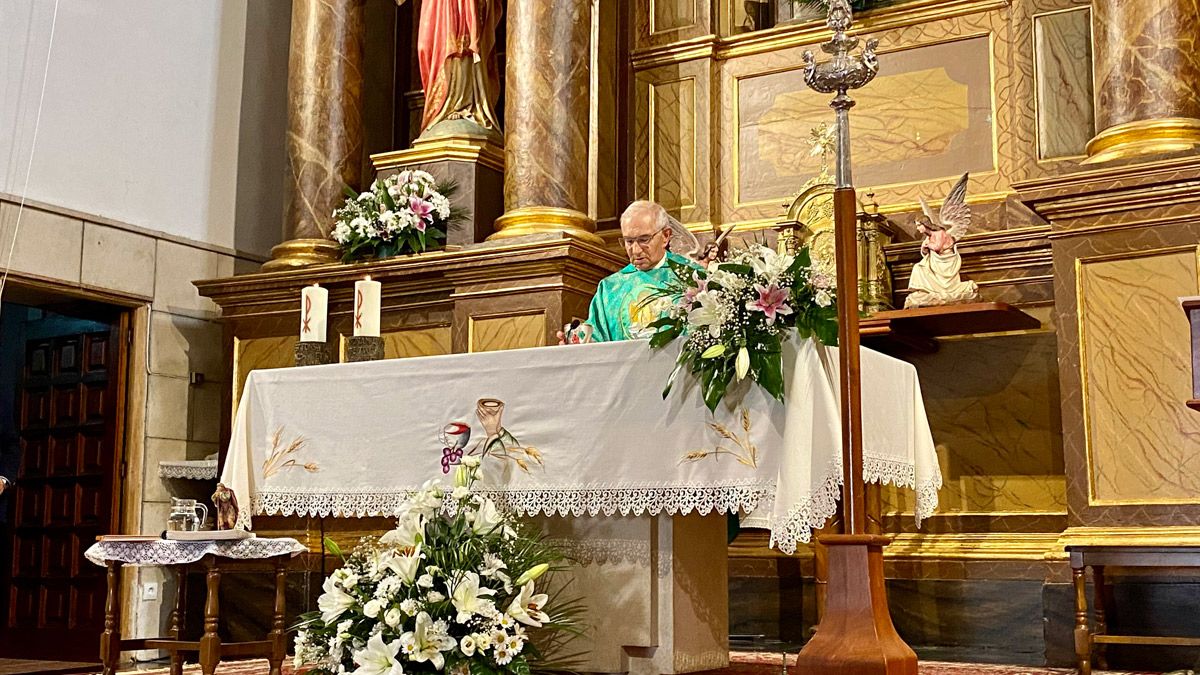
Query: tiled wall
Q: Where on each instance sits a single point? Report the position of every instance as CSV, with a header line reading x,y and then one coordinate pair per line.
x,y
171,417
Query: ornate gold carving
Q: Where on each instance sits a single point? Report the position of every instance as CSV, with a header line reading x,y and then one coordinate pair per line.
x,y
464,148
1145,137
302,253
546,220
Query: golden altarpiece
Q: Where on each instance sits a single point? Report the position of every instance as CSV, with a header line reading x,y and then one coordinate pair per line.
x,y
1083,213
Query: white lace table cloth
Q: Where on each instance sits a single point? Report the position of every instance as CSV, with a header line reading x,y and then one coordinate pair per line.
x,y
188,469
169,552
573,430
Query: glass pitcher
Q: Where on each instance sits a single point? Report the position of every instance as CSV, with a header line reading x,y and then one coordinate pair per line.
x,y
187,515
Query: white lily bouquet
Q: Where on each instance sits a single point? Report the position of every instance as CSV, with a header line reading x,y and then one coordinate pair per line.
x,y
453,588
734,316
407,212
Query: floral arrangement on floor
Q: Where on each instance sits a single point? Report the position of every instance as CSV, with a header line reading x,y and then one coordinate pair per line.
x,y
407,212
455,587
734,315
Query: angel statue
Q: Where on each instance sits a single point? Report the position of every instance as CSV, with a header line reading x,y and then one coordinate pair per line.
x,y
456,50
935,280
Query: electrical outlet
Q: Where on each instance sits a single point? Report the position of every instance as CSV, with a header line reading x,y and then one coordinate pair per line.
x,y
150,591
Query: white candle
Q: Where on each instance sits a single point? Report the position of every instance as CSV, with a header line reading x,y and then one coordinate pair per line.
x,y
366,307
314,313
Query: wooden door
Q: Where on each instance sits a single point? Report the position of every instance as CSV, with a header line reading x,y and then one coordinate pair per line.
x,y
68,421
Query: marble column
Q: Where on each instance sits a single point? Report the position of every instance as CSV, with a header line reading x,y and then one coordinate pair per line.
x,y
325,136
546,119
1147,66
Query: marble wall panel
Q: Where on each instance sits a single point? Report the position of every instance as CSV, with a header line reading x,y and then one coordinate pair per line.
x,y
994,410
429,341
673,139
662,22
510,331
907,144
672,178
1135,362
260,354
926,116
1062,44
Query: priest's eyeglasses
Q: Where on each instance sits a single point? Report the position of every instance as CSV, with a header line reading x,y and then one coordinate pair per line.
x,y
643,240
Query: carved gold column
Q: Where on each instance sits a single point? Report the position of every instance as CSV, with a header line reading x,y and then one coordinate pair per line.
x,y
325,139
1147,67
546,120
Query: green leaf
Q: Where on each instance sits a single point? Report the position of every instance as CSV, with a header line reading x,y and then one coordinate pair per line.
x,y
671,379
664,337
768,372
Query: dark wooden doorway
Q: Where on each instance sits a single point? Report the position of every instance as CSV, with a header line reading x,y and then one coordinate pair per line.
x,y
67,413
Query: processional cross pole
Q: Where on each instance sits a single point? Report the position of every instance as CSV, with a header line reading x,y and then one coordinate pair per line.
x,y
855,634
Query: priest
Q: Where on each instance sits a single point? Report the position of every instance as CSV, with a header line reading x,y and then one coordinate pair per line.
x,y
623,308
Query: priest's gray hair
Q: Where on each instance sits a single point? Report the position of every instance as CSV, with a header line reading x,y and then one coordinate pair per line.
x,y
686,241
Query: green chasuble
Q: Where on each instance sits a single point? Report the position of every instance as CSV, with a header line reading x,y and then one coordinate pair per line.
x,y
618,311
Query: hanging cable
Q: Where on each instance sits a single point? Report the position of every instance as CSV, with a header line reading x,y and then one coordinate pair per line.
x,y
37,122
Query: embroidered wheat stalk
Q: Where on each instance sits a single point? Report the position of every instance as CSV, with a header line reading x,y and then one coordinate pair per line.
x,y
282,456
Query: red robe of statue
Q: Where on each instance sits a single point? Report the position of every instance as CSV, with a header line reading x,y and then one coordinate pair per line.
x,y
456,52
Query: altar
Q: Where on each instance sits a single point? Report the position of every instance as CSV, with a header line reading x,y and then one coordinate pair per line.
x,y
581,438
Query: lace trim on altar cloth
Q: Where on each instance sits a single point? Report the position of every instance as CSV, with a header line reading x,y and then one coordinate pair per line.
x,y
200,469
649,500
803,516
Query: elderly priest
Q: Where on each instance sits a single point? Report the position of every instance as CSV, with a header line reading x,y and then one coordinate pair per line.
x,y
622,308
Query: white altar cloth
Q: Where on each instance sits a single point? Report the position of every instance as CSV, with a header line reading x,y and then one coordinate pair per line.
x,y
581,430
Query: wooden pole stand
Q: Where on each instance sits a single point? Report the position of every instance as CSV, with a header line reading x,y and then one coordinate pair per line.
x,y
855,635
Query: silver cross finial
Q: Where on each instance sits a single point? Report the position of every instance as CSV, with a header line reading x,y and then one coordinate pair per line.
x,y
845,71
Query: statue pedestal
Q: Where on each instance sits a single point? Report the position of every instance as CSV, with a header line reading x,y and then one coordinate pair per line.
x,y
475,163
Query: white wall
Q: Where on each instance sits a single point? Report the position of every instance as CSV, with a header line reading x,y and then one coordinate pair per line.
x,y
142,120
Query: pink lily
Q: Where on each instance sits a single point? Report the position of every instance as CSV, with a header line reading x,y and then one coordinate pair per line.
x,y
689,296
772,301
422,210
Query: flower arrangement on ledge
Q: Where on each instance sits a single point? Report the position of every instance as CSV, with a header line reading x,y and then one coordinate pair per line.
x,y
734,316
407,212
455,587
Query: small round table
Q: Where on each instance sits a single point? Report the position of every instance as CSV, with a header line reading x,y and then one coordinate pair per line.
x,y
252,554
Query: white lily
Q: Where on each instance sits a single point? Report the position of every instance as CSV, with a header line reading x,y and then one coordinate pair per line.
x,y
527,607
743,363
487,517
423,644
410,531
378,658
334,601
405,566
707,314
468,597
491,564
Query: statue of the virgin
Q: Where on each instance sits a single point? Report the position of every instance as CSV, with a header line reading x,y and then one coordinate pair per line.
x,y
456,48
